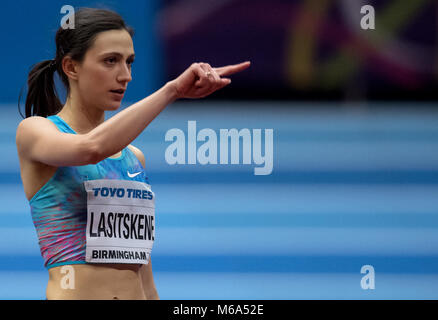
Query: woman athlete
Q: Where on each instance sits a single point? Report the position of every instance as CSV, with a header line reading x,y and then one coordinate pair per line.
x,y
90,200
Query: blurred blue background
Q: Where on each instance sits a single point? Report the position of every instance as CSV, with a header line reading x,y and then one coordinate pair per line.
x,y
354,181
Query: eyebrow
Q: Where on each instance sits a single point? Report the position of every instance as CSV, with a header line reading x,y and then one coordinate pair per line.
x,y
117,54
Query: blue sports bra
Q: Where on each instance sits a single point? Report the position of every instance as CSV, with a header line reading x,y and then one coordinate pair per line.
x,y
59,208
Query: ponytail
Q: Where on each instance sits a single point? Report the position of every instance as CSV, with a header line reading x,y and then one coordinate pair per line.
x,y
42,98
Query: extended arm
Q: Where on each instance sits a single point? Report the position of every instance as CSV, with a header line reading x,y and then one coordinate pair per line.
x,y
37,137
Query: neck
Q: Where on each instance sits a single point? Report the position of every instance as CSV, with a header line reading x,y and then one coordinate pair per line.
x,y
81,118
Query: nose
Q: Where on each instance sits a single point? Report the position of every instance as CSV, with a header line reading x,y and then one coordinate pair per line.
x,y
124,74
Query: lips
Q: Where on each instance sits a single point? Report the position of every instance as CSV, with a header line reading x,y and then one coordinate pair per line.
x,y
117,94
120,91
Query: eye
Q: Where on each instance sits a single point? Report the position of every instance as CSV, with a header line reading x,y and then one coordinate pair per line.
x,y
111,60
130,62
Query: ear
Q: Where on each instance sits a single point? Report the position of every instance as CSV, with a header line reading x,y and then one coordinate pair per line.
x,y
70,67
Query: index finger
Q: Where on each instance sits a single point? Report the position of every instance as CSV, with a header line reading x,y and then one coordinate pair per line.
x,y
231,69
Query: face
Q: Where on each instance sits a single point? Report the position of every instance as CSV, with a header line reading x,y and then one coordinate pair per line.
x,y
106,68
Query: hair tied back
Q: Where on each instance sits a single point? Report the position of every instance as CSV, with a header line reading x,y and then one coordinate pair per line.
x,y
52,63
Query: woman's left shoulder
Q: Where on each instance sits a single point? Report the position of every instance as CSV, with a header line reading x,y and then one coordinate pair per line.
x,y
138,153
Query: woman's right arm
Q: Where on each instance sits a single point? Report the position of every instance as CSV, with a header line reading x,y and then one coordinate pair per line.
x,y
38,139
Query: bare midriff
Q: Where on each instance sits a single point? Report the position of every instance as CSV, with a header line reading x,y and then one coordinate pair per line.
x,y
95,282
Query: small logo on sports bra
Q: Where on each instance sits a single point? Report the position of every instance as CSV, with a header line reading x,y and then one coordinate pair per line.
x,y
132,175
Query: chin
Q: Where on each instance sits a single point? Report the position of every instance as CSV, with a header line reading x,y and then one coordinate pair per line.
x,y
114,105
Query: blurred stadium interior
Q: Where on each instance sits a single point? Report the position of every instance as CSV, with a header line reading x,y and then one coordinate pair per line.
x,y
355,171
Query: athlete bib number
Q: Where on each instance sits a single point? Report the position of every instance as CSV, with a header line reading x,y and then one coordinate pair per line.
x,y
120,221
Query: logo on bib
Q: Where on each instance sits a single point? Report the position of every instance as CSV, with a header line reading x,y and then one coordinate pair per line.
x,y
132,175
